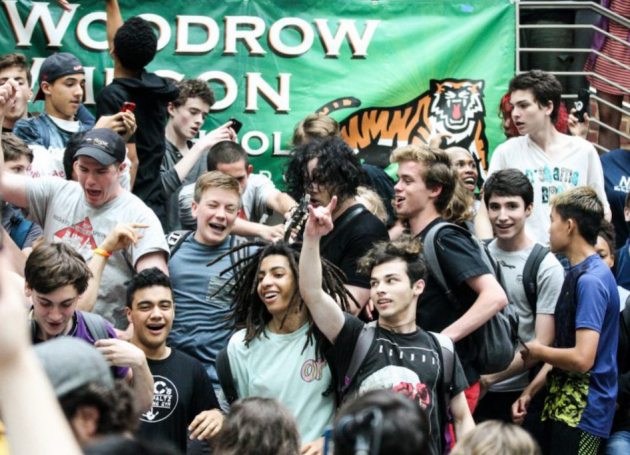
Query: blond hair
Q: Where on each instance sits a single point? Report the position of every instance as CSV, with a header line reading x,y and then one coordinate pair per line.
x,y
314,125
496,438
373,203
215,179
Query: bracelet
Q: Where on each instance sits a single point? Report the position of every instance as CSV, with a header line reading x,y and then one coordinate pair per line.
x,y
101,252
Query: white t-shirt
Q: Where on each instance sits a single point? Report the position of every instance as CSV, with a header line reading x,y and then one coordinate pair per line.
x,y
579,165
548,285
59,206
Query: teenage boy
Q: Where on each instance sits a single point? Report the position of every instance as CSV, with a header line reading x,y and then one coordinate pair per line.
x,y
509,195
184,162
184,399
133,46
553,162
201,328
327,167
402,357
56,277
259,194
17,158
14,66
622,255
426,185
582,385
82,214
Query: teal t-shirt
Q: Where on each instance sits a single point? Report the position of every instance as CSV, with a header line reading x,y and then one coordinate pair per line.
x,y
278,366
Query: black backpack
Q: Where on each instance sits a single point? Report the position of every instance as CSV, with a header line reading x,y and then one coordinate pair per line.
x,y
494,343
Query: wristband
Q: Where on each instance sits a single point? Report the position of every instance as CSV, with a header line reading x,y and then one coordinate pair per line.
x,y
101,252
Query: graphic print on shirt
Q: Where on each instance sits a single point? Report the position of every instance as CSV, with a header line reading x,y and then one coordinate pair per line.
x,y
165,399
624,184
554,181
401,371
312,370
79,236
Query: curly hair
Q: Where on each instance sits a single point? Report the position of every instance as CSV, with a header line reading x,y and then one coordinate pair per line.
x,y
147,278
135,44
250,313
406,249
338,169
194,88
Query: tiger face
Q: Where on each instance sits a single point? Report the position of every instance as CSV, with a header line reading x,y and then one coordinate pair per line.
x,y
457,104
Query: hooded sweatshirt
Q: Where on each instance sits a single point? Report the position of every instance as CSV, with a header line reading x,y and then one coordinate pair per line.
x,y
151,94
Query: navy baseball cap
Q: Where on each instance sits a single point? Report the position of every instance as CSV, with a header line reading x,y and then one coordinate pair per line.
x,y
56,66
104,145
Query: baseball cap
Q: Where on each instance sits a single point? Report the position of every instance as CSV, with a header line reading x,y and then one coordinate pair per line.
x,y
56,66
104,145
72,363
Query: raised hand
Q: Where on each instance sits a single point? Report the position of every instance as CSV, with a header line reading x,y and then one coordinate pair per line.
x,y
320,219
122,236
8,95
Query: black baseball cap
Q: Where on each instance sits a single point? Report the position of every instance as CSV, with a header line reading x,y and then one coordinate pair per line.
x,y
56,66
104,145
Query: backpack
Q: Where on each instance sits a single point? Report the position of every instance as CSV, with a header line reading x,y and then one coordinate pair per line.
x,y
176,238
530,274
19,230
96,326
494,343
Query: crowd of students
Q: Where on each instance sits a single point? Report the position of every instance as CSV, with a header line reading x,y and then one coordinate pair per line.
x,y
171,310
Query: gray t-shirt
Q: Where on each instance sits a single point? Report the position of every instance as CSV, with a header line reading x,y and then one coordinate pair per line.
x,y
59,206
254,200
549,282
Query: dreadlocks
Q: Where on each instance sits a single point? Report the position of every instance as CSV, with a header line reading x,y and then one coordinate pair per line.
x,y
251,314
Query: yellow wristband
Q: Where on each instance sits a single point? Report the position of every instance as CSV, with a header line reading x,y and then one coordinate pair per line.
x,y
102,252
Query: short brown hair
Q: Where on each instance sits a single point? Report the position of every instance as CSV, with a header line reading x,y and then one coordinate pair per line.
x,y
215,179
14,148
582,205
315,125
16,59
438,171
194,88
54,265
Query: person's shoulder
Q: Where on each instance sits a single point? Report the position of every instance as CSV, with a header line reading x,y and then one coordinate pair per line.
x,y
187,191
184,360
579,145
237,341
512,145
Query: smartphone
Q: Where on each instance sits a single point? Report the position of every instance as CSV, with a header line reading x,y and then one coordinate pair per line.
x,y
128,106
582,104
236,125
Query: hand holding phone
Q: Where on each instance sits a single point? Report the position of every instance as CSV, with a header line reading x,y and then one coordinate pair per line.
x,y
582,104
236,125
128,106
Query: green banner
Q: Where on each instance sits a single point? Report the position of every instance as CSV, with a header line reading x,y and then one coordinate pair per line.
x,y
392,72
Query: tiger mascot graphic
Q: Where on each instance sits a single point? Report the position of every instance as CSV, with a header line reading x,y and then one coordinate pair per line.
x,y
452,106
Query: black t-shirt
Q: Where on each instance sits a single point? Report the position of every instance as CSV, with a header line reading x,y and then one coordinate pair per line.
x,y
182,389
344,247
408,363
151,94
459,258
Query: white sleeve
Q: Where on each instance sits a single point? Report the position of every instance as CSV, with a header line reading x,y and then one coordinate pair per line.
x,y
595,176
496,161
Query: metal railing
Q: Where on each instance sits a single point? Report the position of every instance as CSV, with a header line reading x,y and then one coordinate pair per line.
x,y
573,5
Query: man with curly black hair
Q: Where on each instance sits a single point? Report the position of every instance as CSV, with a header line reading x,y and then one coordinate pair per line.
x,y
327,167
133,45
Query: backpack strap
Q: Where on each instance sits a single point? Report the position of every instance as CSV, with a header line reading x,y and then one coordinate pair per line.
x,y
19,231
364,342
353,212
226,379
530,274
96,325
625,315
430,254
448,361
175,239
